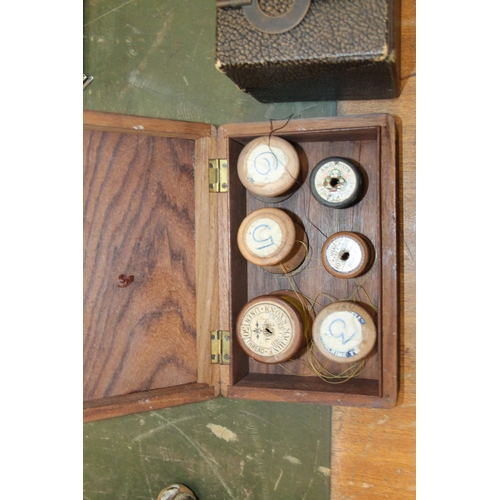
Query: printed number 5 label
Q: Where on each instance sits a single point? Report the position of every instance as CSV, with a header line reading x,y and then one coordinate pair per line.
x,y
259,236
263,237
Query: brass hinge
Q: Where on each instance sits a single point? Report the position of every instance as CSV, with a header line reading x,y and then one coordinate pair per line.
x,y
217,175
220,347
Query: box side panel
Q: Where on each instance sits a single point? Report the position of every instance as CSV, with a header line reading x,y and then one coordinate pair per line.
x,y
390,291
117,406
207,262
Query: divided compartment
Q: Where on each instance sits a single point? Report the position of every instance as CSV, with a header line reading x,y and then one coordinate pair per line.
x,y
372,148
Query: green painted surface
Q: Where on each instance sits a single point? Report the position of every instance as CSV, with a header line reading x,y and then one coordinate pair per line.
x,y
156,58
221,449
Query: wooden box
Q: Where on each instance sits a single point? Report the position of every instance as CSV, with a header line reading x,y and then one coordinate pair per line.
x,y
163,275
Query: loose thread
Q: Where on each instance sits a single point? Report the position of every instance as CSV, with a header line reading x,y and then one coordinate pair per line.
x,y
372,207
360,288
307,205
313,363
304,263
273,131
322,371
316,365
332,378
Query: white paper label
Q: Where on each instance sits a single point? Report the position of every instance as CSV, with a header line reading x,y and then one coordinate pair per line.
x,y
341,333
267,329
264,237
335,181
344,254
266,164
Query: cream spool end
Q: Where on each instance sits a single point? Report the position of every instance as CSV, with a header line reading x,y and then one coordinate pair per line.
x,y
346,255
274,328
344,332
269,238
269,168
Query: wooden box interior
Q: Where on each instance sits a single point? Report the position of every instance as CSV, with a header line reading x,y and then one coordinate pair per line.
x,y
149,213
295,380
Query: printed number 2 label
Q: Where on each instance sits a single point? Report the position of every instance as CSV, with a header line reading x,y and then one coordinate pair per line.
x,y
341,333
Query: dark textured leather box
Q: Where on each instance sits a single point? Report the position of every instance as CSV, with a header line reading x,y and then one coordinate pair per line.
x,y
341,50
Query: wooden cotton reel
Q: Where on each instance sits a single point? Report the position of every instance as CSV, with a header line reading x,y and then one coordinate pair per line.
x,y
336,182
269,167
346,255
274,328
269,238
344,332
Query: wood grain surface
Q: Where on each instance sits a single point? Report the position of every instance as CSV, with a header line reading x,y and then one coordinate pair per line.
x,y
373,451
139,220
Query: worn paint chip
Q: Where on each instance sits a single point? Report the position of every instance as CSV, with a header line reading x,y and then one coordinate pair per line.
x,y
223,432
325,470
292,460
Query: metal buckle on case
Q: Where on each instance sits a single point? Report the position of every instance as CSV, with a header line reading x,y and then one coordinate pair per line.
x,y
270,24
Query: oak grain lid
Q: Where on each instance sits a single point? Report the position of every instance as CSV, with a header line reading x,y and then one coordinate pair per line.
x,y
268,166
346,255
336,182
344,332
270,328
266,236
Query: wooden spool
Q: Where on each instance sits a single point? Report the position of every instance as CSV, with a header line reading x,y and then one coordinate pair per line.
x,y
336,182
269,238
346,255
269,168
176,492
274,328
344,332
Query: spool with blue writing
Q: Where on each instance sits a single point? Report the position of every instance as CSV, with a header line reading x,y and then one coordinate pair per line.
x,y
336,182
269,238
344,332
274,328
269,168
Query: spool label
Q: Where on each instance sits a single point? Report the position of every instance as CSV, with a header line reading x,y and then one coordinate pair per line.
x,y
266,164
263,237
341,333
344,254
335,181
267,329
